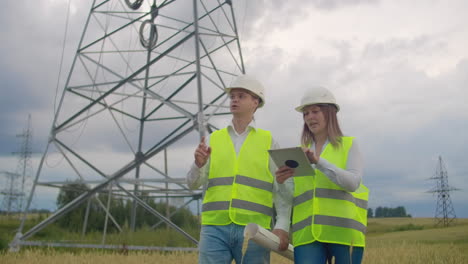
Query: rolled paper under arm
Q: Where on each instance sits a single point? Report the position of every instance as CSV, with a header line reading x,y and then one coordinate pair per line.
x,y
267,239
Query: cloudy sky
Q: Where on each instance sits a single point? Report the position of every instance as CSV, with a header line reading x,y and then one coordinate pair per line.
x,y
399,70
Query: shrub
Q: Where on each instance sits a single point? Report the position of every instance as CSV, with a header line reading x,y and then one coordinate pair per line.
x,y
3,244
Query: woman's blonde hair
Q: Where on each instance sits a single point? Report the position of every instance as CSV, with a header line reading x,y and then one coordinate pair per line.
x,y
333,127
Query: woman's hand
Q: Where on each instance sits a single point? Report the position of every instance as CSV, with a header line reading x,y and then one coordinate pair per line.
x,y
284,173
311,155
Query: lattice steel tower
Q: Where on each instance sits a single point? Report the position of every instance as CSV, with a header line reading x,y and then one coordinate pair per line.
x,y
146,76
10,192
24,167
445,213
15,188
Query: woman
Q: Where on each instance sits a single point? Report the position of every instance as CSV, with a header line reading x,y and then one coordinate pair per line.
x,y
330,207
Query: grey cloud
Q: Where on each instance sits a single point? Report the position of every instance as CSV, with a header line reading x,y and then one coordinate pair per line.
x,y
261,17
396,48
402,117
16,102
335,4
30,63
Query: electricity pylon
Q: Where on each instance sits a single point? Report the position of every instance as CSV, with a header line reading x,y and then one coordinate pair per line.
x,y
444,213
24,167
17,183
10,192
145,75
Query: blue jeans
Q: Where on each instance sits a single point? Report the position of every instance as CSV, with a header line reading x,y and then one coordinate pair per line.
x,y
318,252
222,244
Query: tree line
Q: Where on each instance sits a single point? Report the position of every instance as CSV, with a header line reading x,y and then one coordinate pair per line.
x,y
119,208
399,211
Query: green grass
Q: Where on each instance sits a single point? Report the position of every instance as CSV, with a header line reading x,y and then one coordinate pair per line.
x,y
383,225
145,236
416,241
390,240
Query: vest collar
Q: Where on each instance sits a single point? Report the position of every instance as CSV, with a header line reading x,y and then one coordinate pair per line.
x,y
250,126
312,146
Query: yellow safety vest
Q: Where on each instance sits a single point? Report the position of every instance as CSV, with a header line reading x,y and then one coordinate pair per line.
x,y
323,211
239,187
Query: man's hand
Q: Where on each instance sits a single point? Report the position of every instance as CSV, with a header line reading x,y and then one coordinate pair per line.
x,y
284,238
202,153
283,173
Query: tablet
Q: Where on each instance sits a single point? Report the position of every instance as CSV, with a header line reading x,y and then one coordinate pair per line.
x,y
294,158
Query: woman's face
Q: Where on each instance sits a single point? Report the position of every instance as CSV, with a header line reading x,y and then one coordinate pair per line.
x,y
315,119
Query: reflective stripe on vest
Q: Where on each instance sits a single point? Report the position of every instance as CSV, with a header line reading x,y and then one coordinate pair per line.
x,y
246,197
220,181
331,194
331,221
241,180
325,212
236,203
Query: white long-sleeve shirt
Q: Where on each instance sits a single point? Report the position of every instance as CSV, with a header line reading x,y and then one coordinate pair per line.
x,y
349,179
197,177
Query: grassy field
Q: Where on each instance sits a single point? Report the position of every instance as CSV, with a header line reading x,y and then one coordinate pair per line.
x,y
390,240
415,240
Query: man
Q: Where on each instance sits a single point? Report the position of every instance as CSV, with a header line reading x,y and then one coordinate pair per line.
x,y
240,187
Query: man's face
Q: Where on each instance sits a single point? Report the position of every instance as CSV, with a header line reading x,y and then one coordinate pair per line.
x,y
242,101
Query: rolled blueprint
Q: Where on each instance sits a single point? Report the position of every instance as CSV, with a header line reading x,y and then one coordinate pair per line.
x,y
267,239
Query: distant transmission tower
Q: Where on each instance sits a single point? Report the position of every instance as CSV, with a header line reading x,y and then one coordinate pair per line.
x,y
24,167
14,191
445,213
10,193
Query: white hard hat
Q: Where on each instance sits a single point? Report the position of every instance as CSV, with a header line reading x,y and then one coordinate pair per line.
x,y
249,83
317,95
